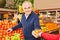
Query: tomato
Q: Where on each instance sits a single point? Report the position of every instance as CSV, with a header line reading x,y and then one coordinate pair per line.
x,y
21,36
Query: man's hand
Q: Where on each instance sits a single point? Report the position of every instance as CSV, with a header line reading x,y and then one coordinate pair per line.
x,y
36,33
9,30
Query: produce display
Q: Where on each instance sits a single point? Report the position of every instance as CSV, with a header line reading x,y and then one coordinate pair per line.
x,y
14,37
5,16
36,11
49,26
20,9
44,29
4,25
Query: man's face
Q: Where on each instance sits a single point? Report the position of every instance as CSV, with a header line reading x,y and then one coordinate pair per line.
x,y
27,8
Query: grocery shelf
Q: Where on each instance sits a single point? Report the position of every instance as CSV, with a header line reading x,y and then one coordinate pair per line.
x,y
3,10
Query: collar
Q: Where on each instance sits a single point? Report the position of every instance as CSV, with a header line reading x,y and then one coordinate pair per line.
x,y
29,14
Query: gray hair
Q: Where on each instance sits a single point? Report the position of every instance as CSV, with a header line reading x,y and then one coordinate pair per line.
x,y
26,2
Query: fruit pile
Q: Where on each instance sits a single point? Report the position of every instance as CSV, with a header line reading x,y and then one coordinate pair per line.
x,y
36,11
14,37
20,9
44,29
4,25
51,26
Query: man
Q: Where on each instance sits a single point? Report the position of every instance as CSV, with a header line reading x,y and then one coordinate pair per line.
x,y
29,21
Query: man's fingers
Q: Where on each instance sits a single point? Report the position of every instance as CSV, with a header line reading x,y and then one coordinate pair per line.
x,y
34,34
9,30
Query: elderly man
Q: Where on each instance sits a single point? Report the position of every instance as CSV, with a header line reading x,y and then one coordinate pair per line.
x,y
29,21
